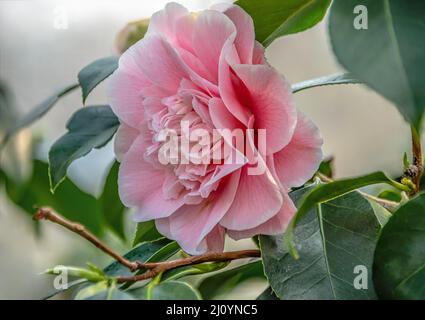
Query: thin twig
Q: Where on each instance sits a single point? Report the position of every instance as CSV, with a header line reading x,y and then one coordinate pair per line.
x,y
159,267
153,268
387,204
49,214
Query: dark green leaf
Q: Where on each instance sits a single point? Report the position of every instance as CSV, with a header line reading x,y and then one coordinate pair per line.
x,y
110,204
38,111
326,167
225,281
399,266
389,55
169,290
276,18
153,251
332,239
93,74
334,79
332,190
88,128
256,241
146,231
165,252
267,294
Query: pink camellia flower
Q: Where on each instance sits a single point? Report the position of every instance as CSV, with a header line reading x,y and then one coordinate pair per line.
x,y
207,70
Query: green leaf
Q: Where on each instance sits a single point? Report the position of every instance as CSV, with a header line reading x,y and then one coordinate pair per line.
x,y
153,251
276,18
111,207
88,128
399,265
344,78
38,111
223,282
93,74
186,271
92,290
332,238
389,55
164,253
267,294
325,192
90,275
146,231
169,290
392,195
326,167
102,291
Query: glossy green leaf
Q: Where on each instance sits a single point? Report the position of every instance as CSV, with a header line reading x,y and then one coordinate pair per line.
x,y
88,128
225,281
276,18
146,231
164,253
389,55
326,167
169,290
37,112
344,78
111,207
328,191
399,266
333,239
153,251
94,73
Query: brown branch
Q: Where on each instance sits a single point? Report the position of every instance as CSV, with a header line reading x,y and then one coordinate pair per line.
x,y
48,214
159,267
153,268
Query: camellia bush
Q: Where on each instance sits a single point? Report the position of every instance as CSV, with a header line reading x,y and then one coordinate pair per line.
x,y
209,144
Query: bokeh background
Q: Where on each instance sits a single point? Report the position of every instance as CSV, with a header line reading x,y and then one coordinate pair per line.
x,y
39,54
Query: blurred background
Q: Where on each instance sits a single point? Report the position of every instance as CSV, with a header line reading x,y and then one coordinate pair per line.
x,y
43,45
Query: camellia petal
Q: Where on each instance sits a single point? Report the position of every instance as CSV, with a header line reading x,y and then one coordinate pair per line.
x,y
201,80
300,159
257,200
